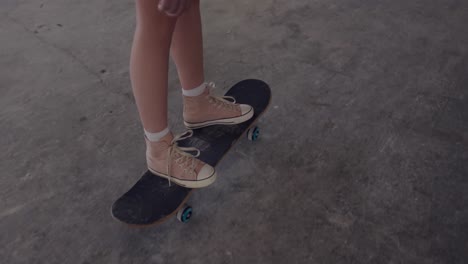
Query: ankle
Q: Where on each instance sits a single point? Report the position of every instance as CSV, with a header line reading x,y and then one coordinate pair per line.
x,y
157,136
158,149
194,92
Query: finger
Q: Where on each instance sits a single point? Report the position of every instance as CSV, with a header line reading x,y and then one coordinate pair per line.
x,y
179,8
182,7
167,5
173,7
162,5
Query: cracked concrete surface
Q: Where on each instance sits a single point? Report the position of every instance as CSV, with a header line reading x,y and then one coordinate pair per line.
x,y
363,156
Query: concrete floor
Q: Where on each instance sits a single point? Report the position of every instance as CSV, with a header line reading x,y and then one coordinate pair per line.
x,y
364,155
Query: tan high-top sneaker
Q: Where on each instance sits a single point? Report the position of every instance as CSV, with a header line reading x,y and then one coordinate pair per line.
x,y
167,160
207,109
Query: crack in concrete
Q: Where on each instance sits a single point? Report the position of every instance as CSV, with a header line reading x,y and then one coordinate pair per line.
x,y
69,54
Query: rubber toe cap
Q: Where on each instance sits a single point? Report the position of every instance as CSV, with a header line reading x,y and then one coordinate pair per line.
x,y
245,109
206,172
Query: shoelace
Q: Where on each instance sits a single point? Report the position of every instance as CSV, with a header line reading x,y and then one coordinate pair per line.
x,y
221,101
181,154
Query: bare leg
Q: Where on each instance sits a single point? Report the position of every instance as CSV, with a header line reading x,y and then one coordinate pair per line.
x,y
149,64
187,47
200,108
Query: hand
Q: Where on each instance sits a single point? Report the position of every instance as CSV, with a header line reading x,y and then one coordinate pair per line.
x,y
173,7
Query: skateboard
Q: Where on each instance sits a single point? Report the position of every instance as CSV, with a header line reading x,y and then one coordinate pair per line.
x,y
153,201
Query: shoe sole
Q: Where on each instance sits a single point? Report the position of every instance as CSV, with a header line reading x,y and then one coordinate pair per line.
x,y
227,121
186,183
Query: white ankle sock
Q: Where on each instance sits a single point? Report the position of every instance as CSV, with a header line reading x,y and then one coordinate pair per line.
x,y
153,137
195,91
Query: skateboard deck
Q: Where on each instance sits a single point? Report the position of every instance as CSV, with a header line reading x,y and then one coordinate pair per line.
x,y
152,200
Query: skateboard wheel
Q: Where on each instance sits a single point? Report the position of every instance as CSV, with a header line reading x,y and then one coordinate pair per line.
x,y
185,213
253,134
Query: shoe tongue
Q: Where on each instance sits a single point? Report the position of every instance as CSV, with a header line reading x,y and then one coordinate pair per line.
x,y
161,145
176,154
168,137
